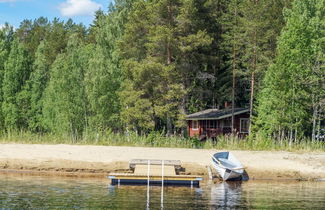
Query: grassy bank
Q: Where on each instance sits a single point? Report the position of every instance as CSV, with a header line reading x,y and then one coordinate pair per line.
x,y
160,140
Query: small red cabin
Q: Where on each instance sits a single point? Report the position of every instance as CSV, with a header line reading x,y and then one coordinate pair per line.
x,y
213,122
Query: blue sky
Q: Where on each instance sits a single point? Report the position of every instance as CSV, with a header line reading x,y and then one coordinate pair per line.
x,y
81,11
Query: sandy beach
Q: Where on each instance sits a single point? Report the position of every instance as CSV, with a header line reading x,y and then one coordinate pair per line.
x,y
100,160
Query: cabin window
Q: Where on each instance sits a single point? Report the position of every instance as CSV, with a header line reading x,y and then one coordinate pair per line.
x,y
195,125
244,125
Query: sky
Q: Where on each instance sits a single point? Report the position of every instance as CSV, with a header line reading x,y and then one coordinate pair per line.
x,y
81,11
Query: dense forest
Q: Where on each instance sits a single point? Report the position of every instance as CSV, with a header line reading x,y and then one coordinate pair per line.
x,y
143,65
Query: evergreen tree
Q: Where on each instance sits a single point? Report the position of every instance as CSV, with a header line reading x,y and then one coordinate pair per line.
x,y
55,41
31,33
146,64
233,46
161,45
259,39
196,52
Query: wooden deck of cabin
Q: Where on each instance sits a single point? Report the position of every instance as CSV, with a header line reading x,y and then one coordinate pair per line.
x,y
214,132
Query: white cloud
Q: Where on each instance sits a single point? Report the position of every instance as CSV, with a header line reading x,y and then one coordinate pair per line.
x,y
79,8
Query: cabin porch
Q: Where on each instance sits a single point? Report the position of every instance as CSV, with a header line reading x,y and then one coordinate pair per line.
x,y
212,123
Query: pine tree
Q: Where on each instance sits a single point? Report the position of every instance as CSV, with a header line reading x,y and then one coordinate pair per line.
x,y
233,37
196,52
250,29
162,45
56,40
137,69
31,33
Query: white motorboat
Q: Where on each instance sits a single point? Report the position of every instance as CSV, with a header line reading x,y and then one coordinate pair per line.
x,y
228,166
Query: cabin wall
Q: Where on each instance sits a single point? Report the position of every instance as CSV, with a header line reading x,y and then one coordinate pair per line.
x,y
193,132
217,125
237,121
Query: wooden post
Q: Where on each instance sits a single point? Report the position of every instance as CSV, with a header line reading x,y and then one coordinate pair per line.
x,y
148,186
233,79
162,185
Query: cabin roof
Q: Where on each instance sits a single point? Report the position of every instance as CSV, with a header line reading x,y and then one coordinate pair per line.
x,y
215,114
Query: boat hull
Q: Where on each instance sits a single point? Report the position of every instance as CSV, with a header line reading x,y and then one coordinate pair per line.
x,y
228,166
227,174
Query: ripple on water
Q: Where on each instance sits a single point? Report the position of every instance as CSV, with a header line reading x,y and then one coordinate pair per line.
x,y
35,192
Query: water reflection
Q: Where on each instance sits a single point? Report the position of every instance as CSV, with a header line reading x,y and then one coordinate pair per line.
x,y
168,197
32,192
227,195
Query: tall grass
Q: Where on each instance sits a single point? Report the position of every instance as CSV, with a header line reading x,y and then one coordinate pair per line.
x,y
156,139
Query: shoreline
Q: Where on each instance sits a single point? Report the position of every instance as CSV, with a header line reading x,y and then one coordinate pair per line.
x,y
98,161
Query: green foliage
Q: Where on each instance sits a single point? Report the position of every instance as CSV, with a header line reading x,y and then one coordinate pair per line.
x,y
143,65
30,33
104,76
15,97
289,85
38,83
161,45
6,36
65,102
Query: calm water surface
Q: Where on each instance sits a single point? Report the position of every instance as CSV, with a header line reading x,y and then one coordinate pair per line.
x,y
34,192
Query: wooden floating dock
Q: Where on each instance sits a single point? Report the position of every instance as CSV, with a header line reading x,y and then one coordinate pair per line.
x,y
154,172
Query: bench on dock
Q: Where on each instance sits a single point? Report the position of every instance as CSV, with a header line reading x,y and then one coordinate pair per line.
x,y
175,163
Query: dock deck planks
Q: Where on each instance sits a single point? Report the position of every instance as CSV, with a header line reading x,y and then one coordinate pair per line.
x,y
155,170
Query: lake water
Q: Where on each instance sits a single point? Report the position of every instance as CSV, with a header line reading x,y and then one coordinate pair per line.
x,y
36,192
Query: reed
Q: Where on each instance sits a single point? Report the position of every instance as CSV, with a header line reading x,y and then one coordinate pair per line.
x,y
157,139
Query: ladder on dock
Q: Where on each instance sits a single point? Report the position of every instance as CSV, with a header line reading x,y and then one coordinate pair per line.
x,y
154,172
149,172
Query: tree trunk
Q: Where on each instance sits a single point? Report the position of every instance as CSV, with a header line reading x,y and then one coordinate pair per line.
x,y
313,135
183,112
318,126
251,99
169,61
291,136
168,47
233,80
296,131
251,104
169,126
